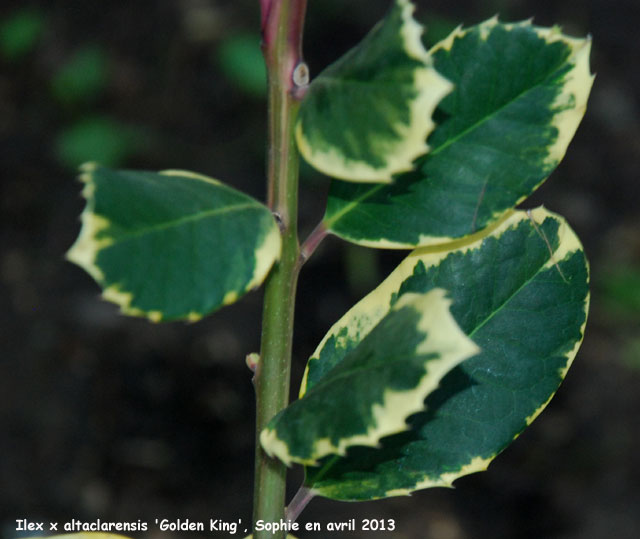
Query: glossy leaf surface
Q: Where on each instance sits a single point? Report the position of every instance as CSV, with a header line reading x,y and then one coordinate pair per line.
x,y
376,386
172,245
520,93
367,116
521,294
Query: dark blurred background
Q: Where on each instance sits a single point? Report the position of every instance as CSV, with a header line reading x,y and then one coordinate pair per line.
x,y
103,416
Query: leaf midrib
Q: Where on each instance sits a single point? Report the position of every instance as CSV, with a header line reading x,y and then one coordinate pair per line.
x,y
335,458
349,207
525,283
178,222
485,320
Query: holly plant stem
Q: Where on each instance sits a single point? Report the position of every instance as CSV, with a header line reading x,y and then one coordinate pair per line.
x,y
282,22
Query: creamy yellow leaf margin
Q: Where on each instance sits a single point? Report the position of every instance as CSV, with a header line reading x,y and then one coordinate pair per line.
x,y
361,319
475,465
431,88
87,246
443,339
571,103
363,316
85,250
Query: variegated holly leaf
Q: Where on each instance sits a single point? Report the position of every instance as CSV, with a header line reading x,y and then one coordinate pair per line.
x,y
521,294
172,245
520,93
368,115
376,386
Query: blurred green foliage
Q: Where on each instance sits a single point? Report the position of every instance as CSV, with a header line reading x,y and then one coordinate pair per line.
x,y
621,291
240,59
80,82
631,353
83,78
20,33
619,294
100,139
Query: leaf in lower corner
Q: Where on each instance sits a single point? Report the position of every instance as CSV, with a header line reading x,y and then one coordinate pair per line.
x,y
521,293
172,245
368,115
520,93
382,381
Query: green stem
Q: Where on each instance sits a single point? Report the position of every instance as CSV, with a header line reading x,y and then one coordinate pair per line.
x,y
282,22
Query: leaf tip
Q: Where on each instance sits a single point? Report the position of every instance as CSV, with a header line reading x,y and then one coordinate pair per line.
x,y
412,32
389,145
444,335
